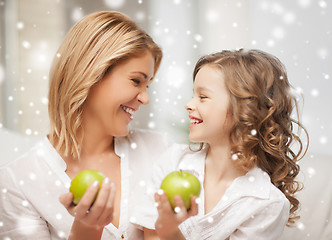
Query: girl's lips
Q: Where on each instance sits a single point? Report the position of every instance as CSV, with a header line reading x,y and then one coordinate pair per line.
x,y
194,121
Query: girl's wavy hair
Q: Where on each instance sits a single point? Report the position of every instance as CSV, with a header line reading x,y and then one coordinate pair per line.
x,y
93,46
261,105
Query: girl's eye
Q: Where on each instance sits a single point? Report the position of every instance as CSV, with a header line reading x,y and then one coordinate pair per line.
x,y
202,97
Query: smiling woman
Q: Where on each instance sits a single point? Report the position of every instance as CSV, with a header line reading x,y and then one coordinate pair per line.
x,y
98,79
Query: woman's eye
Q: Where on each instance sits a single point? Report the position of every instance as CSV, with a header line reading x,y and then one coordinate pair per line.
x,y
202,97
136,81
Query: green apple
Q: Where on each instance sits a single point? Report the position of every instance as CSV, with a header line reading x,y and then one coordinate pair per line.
x,y
181,183
82,181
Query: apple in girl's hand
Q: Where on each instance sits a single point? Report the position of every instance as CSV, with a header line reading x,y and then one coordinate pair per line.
x,y
183,184
82,181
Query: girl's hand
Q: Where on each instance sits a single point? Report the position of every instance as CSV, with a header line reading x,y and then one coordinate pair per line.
x,y
169,219
100,213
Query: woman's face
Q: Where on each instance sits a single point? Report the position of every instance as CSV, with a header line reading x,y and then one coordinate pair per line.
x,y
112,102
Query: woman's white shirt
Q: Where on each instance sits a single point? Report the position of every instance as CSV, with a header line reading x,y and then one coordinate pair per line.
x,y
31,185
251,208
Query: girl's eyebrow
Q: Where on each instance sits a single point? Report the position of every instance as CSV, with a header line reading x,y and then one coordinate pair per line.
x,y
202,88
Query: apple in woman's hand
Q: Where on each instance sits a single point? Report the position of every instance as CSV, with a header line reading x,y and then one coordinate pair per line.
x,y
183,184
82,181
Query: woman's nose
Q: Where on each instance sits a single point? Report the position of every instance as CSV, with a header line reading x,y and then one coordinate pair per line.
x,y
143,97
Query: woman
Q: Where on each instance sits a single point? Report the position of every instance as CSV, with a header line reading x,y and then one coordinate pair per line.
x,y
98,80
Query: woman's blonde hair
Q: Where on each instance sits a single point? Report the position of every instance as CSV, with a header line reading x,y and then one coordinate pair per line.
x,y
92,47
261,104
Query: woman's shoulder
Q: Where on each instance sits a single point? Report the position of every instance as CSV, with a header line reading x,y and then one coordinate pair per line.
x,y
29,160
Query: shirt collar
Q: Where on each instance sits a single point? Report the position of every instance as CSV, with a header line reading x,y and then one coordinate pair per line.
x,y
54,159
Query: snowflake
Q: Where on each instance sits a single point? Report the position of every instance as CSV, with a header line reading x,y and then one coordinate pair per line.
x,y
142,183
28,131
26,44
251,179
235,157
304,3
177,209
151,125
289,18
322,4
314,92
278,33
133,145
253,132
76,14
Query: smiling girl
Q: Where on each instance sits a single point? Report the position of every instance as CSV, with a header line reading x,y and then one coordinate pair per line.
x,y
241,114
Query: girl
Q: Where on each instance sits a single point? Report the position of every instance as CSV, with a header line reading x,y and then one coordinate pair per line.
x,y
98,80
241,111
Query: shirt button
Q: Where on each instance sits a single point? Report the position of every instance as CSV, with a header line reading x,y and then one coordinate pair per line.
x,y
122,236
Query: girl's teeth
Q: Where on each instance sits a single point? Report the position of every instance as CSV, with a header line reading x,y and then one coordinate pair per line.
x,y
194,121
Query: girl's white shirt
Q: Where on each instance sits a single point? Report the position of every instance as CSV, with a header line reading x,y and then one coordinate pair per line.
x,y
31,185
251,208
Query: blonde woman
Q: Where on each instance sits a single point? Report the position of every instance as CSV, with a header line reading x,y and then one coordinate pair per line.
x,y
98,80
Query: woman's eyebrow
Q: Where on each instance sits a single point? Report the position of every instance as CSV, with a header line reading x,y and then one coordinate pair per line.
x,y
142,73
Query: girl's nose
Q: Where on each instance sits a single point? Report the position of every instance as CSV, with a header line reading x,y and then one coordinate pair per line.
x,y
189,106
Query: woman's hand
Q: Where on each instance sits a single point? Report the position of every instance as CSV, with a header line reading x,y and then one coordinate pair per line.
x,y
169,219
96,215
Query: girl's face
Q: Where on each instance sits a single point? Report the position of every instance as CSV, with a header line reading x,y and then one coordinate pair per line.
x,y
112,102
209,107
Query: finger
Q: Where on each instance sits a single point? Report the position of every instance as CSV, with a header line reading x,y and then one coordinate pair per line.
x,y
99,205
157,198
66,199
194,206
165,205
87,199
180,209
108,213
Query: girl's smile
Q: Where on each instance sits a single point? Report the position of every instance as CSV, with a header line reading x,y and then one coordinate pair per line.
x,y
194,121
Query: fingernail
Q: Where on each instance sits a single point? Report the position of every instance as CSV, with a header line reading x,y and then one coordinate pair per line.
x,y
106,180
160,192
95,184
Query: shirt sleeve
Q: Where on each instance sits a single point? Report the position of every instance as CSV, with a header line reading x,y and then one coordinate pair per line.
x,y
19,220
247,219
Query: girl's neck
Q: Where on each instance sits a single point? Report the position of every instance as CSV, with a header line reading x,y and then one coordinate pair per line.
x,y
219,163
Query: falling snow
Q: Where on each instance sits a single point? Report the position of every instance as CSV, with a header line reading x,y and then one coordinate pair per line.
x,y
284,32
